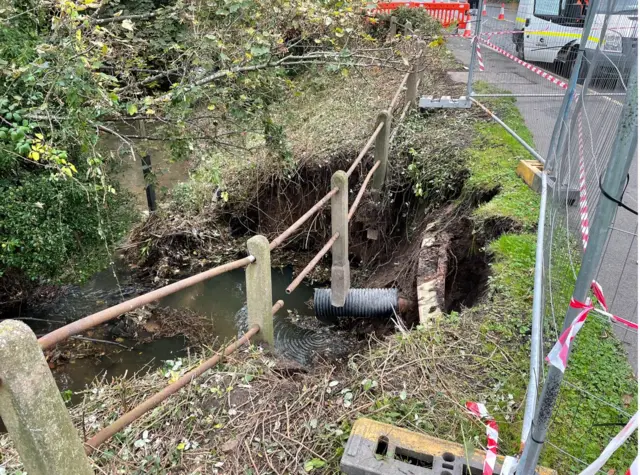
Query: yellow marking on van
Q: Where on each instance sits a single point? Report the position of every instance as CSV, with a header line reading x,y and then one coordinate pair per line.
x,y
562,34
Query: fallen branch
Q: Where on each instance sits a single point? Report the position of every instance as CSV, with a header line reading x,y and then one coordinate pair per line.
x,y
146,16
97,340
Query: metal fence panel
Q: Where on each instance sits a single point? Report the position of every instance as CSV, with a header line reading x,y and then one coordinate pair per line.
x,y
528,54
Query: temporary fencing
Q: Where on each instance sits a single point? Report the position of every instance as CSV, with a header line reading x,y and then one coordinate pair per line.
x,y
572,73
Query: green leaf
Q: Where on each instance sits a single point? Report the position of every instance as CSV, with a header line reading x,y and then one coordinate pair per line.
x,y
312,464
132,109
259,50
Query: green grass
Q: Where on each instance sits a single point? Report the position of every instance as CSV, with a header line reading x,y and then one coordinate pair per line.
x,y
493,161
582,425
494,156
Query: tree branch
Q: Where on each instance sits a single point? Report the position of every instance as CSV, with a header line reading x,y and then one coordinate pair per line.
x,y
145,16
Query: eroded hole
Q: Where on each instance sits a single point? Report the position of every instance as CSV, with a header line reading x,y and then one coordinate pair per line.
x,y
414,458
448,457
383,446
467,270
447,465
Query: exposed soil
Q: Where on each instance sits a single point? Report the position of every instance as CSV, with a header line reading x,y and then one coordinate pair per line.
x,y
468,268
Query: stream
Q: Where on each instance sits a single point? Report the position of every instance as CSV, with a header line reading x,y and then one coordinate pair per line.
x,y
220,299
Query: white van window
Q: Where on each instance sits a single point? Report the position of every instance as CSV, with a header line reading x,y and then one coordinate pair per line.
x,y
547,7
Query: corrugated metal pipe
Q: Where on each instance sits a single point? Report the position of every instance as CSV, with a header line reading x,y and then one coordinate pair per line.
x,y
364,303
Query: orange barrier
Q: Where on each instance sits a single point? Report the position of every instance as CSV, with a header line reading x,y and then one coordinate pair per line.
x,y
445,13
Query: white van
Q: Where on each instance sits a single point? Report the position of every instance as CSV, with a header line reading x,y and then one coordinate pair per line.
x,y
552,30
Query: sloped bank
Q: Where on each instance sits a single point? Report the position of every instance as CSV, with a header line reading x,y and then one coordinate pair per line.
x,y
255,414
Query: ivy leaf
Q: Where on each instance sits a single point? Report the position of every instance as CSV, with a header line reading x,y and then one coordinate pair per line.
x,y
259,50
127,25
312,464
132,109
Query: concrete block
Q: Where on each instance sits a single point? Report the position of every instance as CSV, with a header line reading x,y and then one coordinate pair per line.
x,y
445,102
259,295
32,408
375,448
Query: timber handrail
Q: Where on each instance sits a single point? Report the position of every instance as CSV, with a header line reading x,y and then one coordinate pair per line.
x,y
123,421
110,313
363,188
312,263
365,149
396,97
291,229
152,402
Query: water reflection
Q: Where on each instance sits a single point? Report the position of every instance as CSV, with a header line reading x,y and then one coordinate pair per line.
x,y
217,299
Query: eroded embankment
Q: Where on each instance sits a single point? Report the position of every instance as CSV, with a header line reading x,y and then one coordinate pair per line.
x,y
452,175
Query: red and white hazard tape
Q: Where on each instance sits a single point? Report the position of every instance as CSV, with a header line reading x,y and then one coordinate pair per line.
x,y
479,54
615,443
560,352
489,34
584,208
530,67
558,355
480,411
633,470
596,288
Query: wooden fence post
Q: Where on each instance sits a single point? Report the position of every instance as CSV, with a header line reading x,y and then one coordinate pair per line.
x,y
393,27
412,84
416,74
381,152
149,186
408,28
340,274
32,408
259,293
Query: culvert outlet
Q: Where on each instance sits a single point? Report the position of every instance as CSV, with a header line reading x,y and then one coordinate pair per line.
x,y
365,303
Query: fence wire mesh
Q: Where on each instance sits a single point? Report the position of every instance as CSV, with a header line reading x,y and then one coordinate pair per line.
x,y
527,53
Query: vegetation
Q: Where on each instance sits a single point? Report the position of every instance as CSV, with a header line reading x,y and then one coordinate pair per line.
x,y
199,74
224,84
57,207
